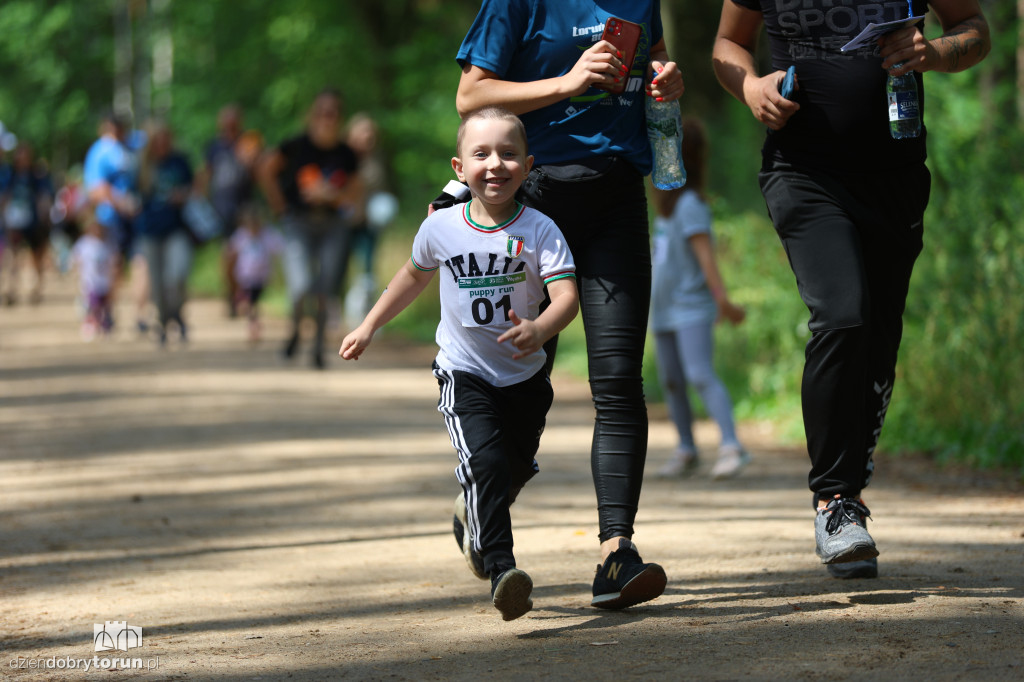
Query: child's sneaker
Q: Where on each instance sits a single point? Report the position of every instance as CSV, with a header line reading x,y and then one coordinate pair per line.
x,y
464,540
682,463
89,330
510,593
731,460
624,579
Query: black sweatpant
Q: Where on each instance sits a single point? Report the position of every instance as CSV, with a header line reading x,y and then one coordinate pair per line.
x,y
496,432
602,212
851,241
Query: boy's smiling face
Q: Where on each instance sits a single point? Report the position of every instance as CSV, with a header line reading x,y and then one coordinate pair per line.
x,y
492,160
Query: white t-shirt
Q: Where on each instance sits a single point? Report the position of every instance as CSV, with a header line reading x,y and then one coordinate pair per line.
x,y
485,272
255,253
95,261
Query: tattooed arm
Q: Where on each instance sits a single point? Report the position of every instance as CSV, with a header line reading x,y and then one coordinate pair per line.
x,y
964,41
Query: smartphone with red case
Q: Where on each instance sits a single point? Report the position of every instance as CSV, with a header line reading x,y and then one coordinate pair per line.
x,y
625,36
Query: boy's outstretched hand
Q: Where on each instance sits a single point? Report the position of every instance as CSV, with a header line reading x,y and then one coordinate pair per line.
x,y
355,343
525,335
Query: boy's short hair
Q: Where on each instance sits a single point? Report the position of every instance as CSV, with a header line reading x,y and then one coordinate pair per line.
x,y
492,112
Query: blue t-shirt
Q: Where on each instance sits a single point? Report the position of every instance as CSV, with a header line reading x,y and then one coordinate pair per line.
x,y
680,296
529,40
161,215
110,161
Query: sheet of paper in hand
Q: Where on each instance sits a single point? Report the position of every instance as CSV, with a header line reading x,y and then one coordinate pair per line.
x,y
873,32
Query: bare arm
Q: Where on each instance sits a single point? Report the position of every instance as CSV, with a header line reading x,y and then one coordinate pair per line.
x,y
408,283
733,61
480,87
528,336
964,42
598,65
705,252
267,171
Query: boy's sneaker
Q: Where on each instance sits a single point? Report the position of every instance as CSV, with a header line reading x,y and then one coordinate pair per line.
x,y
682,463
465,541
510,593
624,579
841,532
731,460
854,569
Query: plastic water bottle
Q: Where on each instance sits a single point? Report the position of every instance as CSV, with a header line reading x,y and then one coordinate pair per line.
x,y
665,131
904,110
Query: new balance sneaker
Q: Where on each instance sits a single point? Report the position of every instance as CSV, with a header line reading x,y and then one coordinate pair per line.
x,y
731,460
510,593
624,579
681,463
841,532
854,569
464,540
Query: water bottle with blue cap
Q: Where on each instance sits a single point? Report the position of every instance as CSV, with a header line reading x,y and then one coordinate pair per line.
x,y
904,106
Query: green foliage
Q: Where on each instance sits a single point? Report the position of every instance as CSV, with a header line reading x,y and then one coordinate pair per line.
x,y
960,390
961,375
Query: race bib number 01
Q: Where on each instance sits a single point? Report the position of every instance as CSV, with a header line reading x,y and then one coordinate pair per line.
x,y
485,301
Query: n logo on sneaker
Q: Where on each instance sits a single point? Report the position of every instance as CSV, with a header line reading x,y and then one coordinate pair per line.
x,y
613,571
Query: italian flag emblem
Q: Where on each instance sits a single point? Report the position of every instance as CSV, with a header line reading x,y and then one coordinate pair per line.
x,y
515,246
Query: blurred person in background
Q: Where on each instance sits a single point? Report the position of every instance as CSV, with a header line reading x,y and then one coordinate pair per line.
x,y
312,186
110,177
65,216
226,178
5,175
254,246
165,182
94,258
688,295
25,200
370,218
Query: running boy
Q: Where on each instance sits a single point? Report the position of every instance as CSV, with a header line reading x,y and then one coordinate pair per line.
x,y
495,257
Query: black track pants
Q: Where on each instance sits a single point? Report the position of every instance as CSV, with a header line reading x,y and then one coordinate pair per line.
x,y
851,242
495,431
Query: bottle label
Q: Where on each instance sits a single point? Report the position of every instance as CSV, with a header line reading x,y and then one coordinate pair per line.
x,y
903,106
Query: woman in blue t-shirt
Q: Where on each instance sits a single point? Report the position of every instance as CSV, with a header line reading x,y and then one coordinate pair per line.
x,y
544,61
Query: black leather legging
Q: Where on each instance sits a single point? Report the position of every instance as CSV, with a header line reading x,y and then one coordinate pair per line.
x,y
604,220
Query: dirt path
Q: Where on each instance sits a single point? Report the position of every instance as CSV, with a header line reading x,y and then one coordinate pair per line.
x,y
264,521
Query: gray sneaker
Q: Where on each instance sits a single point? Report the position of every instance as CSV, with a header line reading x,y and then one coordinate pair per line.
x,y
681,463
841,532
464,540
731,461
854,569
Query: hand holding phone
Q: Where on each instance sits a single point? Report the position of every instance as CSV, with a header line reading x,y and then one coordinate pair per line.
x,y
624,36
786,88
